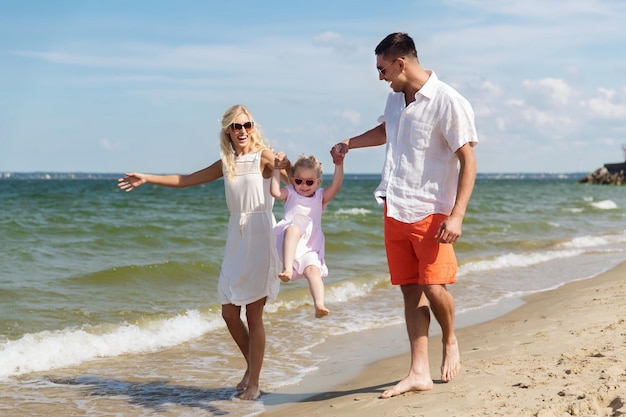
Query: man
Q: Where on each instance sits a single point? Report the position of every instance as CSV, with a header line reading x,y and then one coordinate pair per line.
x,y
427,181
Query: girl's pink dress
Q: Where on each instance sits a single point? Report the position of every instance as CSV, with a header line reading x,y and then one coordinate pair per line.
x,y
306,213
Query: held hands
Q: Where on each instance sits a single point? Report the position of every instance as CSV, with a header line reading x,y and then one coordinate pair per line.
x,y
131,181
338,152
281,161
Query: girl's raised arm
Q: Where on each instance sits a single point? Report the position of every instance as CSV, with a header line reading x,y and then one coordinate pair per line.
x,y
278,192
335,185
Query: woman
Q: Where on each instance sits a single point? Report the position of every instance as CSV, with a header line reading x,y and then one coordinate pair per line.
x,y
250,265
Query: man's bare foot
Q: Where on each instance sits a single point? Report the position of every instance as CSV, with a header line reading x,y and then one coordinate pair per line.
x,y
250,394
408,384
451,362
284,276
321,311
244,382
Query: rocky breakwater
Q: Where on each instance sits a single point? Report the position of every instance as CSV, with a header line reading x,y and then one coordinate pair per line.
x,y
608,174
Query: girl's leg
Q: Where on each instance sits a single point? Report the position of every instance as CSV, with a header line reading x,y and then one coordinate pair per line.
x,y
232,316
254,315
291,237
314,276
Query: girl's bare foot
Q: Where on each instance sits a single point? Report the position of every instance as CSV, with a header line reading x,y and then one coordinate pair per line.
x,y
321,311
284,276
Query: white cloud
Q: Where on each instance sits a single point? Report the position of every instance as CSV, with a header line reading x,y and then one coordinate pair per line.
x,y
543,119
337,42
514,102
545,9
328,38
606,105
133,55
555,90
491,88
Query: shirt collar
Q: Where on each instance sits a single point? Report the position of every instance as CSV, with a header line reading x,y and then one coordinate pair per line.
x,y
429,88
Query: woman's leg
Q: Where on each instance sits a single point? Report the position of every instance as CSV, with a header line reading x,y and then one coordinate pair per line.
x,y
232,316
256,349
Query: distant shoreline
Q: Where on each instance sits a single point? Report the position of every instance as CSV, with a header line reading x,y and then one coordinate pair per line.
x,y
52,175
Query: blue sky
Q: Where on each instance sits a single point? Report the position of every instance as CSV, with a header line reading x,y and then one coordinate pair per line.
x,y
115,86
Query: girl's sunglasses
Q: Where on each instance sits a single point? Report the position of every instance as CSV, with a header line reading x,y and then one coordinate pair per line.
x,y
308,182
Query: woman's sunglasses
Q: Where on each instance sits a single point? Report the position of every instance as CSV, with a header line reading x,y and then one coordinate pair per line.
x,y
308,182
239,126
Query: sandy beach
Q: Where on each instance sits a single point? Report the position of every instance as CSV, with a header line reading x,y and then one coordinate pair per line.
x,y
562,353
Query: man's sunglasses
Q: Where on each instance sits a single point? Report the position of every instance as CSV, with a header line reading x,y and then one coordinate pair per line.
x,y
381,71
239,126
308,182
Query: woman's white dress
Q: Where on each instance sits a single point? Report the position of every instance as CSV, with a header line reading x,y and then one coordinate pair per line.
x,y
250,266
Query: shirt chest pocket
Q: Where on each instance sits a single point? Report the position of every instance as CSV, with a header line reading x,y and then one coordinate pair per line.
x,y
419,134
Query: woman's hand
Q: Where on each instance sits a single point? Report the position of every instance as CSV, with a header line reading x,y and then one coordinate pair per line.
x,y
131,181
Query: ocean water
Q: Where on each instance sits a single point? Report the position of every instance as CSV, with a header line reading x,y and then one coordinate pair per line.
x,y
107,295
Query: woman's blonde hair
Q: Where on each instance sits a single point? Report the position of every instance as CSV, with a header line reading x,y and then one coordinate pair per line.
x,y
257,141
308,162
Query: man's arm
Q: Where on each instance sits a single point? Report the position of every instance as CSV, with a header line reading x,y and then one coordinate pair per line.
x,y
373,137
450,230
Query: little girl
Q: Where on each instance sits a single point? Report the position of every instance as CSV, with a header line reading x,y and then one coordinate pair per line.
x,y
299,234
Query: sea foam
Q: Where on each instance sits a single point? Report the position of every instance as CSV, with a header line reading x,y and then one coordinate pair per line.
x,y
54,349
604,205
574,247
353,211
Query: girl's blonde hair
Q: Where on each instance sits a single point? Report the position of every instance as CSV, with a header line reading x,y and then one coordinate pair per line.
x,y
257,141
308,162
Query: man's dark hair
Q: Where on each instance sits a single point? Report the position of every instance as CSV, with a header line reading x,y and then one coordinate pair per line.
x,y
396,45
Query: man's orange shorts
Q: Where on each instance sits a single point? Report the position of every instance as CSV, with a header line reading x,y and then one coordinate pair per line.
x,y
415,256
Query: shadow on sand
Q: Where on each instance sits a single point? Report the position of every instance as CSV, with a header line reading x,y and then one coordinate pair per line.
x,y
156,395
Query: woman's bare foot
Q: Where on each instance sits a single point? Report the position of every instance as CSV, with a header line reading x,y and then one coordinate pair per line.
x,y
244,381
284,276
321,311
410,383
250,394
